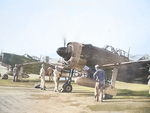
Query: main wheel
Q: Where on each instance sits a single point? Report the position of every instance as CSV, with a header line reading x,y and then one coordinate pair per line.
x,y
5,76
67,87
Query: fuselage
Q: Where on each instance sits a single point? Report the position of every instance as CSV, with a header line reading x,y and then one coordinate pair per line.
x,y
95,55
77,55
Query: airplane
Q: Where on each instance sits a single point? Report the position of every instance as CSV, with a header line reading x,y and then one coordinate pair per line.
x,y
26,64
77,55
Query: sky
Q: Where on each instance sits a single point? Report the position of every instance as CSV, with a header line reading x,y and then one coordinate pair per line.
x,y
38,27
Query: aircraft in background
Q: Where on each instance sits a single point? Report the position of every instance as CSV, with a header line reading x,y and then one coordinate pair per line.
x,y
27,65
76,56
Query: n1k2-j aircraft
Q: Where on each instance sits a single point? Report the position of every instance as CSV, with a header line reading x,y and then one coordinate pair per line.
x,y
77,55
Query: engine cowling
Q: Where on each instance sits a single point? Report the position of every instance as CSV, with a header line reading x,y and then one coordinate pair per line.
x,y
75,61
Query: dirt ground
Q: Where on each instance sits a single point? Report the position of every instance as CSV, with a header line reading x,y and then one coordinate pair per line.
x,y
31,100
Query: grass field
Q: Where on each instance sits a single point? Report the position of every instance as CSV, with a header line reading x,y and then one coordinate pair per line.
x,y
124,90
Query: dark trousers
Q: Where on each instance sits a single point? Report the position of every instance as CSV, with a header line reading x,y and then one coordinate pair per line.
x,y
15,78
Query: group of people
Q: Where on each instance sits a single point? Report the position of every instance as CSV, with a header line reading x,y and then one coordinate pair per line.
x,y
56,73
98,76
56,77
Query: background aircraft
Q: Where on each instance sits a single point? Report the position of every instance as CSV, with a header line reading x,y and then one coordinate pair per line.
x,y
77,55
26,64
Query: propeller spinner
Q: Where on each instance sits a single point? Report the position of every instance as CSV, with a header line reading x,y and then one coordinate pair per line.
x,y
65,52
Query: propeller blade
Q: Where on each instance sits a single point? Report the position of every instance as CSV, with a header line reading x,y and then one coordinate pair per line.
x,y
64,41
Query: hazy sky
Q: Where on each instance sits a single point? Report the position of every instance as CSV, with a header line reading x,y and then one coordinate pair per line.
x,y
37,27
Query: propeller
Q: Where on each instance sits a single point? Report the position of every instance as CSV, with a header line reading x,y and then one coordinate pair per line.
x,y
64,51
64,39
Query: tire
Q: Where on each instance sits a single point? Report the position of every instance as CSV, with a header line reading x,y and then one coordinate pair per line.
x,y
5,76
67,88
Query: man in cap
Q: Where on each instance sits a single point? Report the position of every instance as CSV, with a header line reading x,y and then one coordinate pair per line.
x,y
99,77
57,73
42,75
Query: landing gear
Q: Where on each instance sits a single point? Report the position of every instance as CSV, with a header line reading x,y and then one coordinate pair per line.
x,y
67,87
5,76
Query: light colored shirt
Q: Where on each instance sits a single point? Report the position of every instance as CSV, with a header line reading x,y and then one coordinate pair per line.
x,y
56,73
149,82
42,72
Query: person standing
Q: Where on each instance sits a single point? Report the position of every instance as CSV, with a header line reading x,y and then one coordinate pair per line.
x,y
57,73
15,73
99,77
50,73
149,82
42,75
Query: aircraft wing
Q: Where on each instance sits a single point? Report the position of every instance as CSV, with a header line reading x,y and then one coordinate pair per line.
x,y
143,63
23,64
57,64
62,66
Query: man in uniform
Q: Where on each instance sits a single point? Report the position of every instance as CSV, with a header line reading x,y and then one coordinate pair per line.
x,y
42,74
149,83
15,74
57,73
50,73
99,77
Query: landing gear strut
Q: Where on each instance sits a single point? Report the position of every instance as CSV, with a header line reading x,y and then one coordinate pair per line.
x,y
67,87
